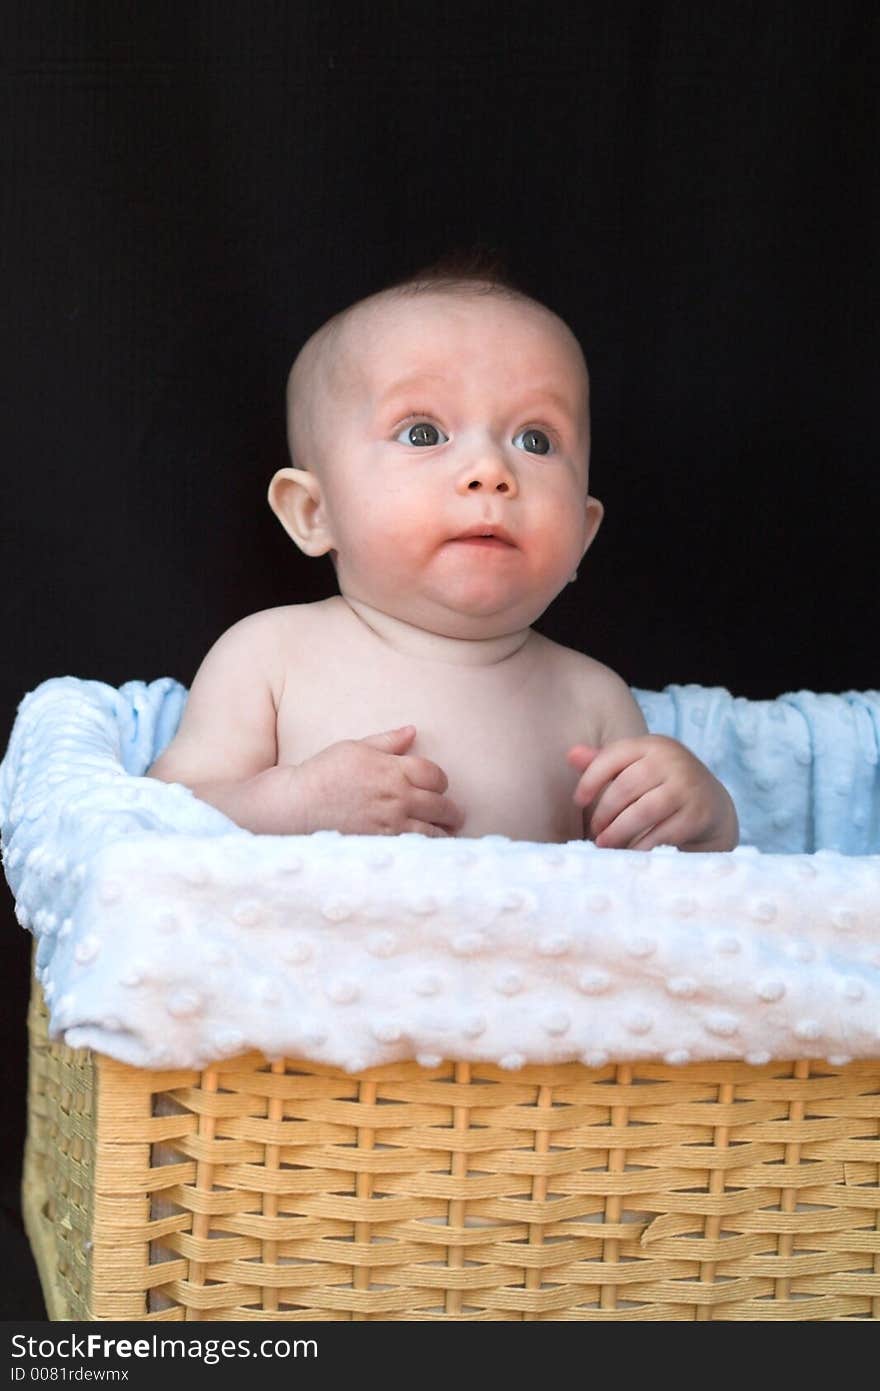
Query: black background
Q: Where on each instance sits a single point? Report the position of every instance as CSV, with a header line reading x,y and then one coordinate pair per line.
x,y
191,189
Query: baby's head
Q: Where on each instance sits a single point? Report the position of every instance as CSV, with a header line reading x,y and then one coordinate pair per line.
x,y
445,405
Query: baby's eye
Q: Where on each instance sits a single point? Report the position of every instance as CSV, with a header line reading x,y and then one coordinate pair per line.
x,y
534,441
422,433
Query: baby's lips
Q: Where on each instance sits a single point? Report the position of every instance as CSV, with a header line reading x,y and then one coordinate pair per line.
x,y
481,530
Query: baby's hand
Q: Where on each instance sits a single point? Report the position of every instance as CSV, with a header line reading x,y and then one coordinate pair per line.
x,y
650,790
372,787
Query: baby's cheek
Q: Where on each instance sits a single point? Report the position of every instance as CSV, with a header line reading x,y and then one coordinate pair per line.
x,y
563,534
376,553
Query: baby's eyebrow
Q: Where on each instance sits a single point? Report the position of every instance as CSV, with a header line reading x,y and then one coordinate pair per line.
x,y
548,393
417,379
409,383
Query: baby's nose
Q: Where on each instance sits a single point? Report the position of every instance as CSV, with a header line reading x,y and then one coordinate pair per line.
x,y
489,473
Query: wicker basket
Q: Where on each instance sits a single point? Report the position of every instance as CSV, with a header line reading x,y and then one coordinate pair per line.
x,y
295,1191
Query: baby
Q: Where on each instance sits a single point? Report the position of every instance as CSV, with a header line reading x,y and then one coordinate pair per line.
x,y
439,433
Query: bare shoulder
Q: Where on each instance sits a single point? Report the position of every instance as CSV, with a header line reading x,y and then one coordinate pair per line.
x,y
251,642
273,634
287,616
585,673
596,688
228,727
296,618
250,636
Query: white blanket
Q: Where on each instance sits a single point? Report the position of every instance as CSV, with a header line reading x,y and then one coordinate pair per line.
x,y
170,937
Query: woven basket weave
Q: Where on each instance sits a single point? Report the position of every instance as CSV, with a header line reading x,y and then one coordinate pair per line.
x,y
295,1191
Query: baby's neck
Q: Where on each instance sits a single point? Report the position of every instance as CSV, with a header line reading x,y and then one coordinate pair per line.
x,y
412,641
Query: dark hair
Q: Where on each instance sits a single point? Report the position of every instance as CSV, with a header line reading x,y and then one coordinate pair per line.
x,y
482,269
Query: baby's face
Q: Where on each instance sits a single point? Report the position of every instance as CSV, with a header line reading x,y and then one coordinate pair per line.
x,y
454,414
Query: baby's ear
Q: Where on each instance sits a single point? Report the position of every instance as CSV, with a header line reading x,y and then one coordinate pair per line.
x,y
296,499
595,513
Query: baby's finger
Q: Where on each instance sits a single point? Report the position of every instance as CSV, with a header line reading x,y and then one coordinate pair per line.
x,y
391,740
580,756
430,806
609,762
672,831
622,792
421,772
635,821
425,828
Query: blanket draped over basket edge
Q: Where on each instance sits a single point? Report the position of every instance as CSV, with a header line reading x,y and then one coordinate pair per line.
x,y
168,936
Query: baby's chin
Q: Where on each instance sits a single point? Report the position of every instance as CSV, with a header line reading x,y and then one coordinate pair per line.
x,y
491,607
474,616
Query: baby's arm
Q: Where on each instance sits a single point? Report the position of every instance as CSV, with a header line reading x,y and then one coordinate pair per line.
x,y
226,738
639,790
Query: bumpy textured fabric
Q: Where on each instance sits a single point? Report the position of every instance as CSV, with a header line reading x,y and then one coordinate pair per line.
x,y
169,936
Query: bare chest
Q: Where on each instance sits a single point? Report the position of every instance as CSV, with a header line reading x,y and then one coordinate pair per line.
x,y
500,733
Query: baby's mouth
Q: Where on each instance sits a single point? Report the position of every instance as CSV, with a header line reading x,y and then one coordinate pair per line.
x,y
490,542
486,538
